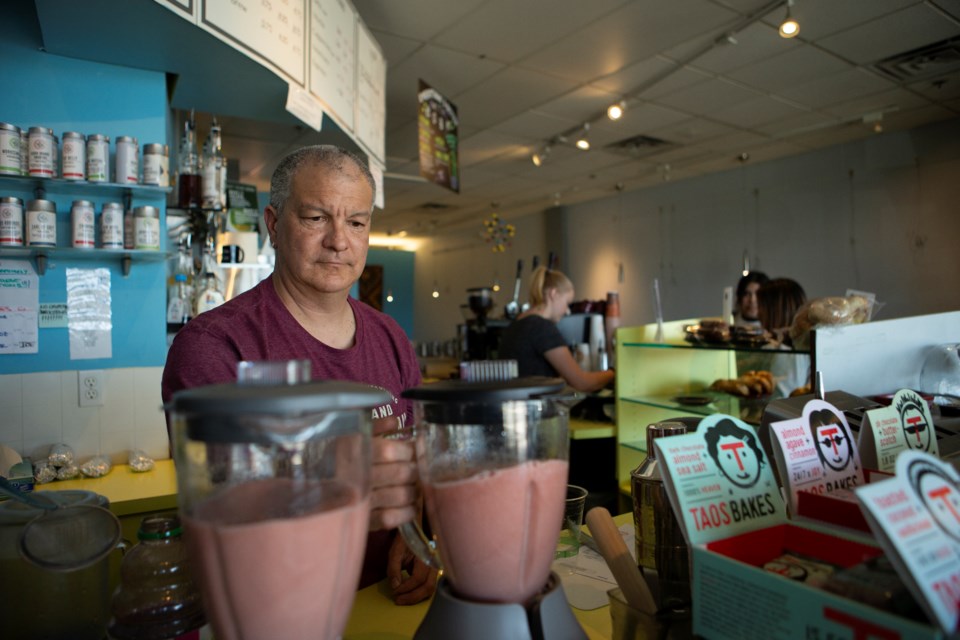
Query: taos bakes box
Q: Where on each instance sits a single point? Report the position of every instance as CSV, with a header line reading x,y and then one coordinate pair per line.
x,y
755,575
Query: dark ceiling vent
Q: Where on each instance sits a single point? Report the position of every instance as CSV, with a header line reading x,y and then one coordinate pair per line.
x,y
639,146
926,62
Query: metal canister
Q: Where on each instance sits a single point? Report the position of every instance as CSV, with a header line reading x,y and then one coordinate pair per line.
x,y
82,223
662,552
24,153
41,228
146,228
9,149
111,226
98,158
11,222
156,165
128,160
74,156
41,154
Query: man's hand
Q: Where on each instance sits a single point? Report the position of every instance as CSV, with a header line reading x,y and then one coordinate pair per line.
x,y
393,480
420,581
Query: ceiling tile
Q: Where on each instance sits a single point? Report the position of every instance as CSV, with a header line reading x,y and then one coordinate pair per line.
x,y
626,80
708,96
417,20
894,100
628,35
891,34
395,48
690,131
801,123
532,26
535,124
485,145
938,89
639,119
820,18
753,113
507,94
792,67
447,71
840,87
756,42
579,102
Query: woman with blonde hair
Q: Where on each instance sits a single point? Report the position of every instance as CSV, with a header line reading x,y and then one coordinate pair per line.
x,y
535,342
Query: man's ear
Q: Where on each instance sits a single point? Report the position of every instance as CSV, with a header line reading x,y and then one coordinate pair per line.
x,y
270,220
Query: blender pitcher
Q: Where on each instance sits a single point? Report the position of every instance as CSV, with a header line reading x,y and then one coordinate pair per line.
x,y
492,458
274,498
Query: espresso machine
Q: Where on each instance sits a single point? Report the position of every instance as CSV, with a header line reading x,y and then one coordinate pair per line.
x,y
480,336
493,463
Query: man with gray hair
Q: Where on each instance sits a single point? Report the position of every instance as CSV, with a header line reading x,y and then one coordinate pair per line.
x,y
318,219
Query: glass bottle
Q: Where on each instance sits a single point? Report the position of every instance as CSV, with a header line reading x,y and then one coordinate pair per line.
x,y
210,296
188,168
662,552
214,182
179,309
157,597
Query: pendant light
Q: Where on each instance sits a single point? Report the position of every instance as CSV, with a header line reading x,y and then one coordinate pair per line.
x,y
789,28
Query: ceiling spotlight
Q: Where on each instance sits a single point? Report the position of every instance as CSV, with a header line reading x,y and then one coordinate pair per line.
x,y
789,28
389,295
539,157
615,111
582,142
436,290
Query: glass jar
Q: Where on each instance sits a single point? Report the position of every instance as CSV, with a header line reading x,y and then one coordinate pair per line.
x,y
157,597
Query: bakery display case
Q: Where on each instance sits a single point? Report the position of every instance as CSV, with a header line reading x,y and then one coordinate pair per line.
x,y
661,375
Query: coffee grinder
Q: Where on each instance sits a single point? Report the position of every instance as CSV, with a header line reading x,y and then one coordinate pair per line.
x,y
493,462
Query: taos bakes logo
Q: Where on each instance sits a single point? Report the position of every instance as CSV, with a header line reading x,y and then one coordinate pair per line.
x,y
939,493
914,421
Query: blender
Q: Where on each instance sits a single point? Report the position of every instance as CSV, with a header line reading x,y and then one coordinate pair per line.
x,y
274,485
493,464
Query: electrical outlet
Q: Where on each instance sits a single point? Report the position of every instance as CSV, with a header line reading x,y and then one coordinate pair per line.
x,y
90,388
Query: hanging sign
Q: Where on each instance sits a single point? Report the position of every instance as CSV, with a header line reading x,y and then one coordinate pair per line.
x,y
439,136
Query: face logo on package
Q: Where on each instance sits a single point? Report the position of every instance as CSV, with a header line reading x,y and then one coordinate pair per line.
x,y
914,422
939,494
735,452
831,439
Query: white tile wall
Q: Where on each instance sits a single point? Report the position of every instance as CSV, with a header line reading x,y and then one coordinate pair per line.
x,y
41,409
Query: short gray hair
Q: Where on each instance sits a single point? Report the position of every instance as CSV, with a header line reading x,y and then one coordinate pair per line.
x,y
329,156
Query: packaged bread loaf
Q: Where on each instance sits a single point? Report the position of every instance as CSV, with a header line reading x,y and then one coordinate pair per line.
x,y
832,310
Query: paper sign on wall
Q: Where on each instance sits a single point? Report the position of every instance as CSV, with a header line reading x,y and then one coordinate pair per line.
x,y
89,322
816,452
916,518
719,481
19,303
906,425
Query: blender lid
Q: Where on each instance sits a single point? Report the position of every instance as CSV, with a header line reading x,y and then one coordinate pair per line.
x,y
528,388
284,400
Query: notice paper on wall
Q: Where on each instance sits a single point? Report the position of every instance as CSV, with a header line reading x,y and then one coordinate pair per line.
x,y
89,314
19,305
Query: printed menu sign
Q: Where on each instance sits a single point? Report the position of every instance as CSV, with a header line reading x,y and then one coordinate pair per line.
x,y
816,452
438,129
719,481
916,518
371,124
333,57
906,425
274,30
19,304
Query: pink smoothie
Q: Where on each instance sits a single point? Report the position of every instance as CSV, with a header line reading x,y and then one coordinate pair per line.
x,y
269,569
497,531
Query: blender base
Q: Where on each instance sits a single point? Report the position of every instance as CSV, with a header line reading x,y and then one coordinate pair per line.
x,y
546,617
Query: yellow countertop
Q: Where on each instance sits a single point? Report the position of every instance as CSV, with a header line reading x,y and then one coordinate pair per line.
x,y
129,491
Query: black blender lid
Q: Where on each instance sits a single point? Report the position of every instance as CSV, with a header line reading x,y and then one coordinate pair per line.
x,y
287,400
527,388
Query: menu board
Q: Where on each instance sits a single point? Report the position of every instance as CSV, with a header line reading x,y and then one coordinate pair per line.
x,y
371,94
270,29
333,57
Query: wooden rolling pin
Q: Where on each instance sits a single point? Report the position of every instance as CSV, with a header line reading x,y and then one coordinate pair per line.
x,y
622,565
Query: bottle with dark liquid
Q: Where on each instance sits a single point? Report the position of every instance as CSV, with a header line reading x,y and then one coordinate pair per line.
x,y
157,598
662,552
188,165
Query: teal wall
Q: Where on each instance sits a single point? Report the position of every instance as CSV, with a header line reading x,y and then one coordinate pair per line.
x,y
398,278
64,94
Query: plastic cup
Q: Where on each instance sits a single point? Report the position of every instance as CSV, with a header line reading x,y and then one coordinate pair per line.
x,y
568,544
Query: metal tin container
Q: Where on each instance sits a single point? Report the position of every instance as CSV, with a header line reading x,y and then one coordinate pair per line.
x,y
82,223
98,158
111,226
11,222
41,228
24,153
74,156
156,165
41,155
10,149
128,160
146,228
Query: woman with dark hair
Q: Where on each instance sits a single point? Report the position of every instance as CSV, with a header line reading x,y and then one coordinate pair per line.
x,y
745,315
778,302
535,342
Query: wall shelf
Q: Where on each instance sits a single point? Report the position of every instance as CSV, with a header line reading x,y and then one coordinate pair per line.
x,y
39,186
42,255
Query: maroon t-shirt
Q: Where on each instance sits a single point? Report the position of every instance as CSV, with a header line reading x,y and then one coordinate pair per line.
x,y
255,326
